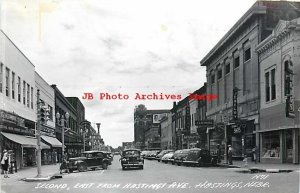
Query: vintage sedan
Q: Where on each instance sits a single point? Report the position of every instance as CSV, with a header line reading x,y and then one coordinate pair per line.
x,y
167,157
89,160
131,158
199,157
180,156
162,153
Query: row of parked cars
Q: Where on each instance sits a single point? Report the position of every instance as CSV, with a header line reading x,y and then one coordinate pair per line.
x,y
188,157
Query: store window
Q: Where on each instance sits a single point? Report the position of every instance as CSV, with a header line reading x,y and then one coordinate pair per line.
x,y
271,145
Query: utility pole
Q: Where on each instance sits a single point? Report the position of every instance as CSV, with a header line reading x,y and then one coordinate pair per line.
x,y
38,136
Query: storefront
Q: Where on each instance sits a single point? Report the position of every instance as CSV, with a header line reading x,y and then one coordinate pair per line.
x,y
280,146
23,147
51,156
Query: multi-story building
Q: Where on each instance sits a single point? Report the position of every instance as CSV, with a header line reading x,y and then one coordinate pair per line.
x,y
147,127
48,136
153,128
233,65
71,137
166,132
279,57
17,103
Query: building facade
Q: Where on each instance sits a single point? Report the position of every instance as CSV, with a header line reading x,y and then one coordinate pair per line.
x,y
233,75
166,132
279,57
48,136
71,138
17,104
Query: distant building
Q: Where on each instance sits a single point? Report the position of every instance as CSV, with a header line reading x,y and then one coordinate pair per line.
x,y
166,132
279,57
147,127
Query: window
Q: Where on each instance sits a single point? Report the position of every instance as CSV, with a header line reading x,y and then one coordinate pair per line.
x,y
28,95
50,112
219,73
7,82
247,54
267,86
212,78
288,78
271,145
273,85
247,50
13,86
227,68
19,89
24,92
236,62
1,77
31,97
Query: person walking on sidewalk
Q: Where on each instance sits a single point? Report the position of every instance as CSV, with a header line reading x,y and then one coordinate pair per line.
x,y
254,151
5,162
229,155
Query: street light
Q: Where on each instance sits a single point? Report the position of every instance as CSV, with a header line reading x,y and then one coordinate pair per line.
x,y
62,121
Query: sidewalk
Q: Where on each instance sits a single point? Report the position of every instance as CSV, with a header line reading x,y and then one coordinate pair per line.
x,y
30,172
263,167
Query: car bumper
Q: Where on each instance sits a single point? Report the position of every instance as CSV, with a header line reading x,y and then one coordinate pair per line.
x,y
190,162
133,165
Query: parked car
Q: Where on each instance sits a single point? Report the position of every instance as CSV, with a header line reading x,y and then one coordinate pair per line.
x,y
116,153
131,158
89,160
180,156
109,156
199,157
162,153
167,157
152,154
144,153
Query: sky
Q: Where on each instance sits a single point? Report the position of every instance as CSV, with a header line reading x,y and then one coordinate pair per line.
x,y
119,47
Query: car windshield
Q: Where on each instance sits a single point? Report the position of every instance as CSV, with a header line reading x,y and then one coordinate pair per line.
x,y
133,152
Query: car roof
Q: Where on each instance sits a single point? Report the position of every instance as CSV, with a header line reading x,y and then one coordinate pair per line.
x,y
93,151
132,150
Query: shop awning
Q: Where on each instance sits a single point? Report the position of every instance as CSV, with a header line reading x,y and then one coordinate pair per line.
x,y
24,141
52,141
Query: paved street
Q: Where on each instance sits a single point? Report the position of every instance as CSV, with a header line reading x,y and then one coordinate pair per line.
x,y
158,177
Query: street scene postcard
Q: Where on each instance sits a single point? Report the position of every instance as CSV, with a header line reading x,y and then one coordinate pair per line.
x,y
140,96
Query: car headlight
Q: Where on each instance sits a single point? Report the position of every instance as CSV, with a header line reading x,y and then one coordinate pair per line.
x,y
124,159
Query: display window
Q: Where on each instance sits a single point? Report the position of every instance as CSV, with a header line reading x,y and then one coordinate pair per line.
x,y
271,145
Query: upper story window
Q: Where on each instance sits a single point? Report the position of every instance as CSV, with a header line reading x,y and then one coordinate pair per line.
x,y
19,89
288,78
219,73
212,78
227,68
31,98
267,86
13,85
270,85
24,92
247,51
7,71
28,95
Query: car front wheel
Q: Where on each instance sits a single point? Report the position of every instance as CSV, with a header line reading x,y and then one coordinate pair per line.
x,y
82,167
141,167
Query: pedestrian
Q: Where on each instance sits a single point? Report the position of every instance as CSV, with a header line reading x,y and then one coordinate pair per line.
x,y
218,153
254,152
230,154
5,163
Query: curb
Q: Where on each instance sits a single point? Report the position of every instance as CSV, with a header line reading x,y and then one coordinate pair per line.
x,y
257,170
41,179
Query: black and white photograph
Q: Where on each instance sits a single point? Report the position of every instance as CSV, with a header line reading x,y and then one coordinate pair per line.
x,y
140,96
